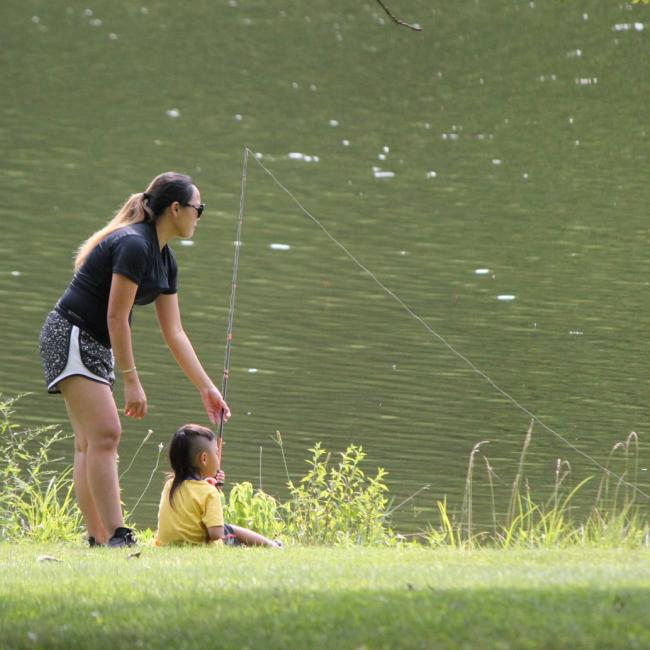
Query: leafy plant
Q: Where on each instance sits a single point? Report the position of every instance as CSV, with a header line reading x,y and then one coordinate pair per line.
x,y
254,509
338,503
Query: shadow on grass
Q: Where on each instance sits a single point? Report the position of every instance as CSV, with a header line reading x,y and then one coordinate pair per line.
x,y
410,615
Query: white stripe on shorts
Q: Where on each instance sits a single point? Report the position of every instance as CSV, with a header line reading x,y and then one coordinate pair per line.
x,y
75,365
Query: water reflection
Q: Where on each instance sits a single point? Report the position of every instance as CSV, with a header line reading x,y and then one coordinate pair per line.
x,y
474,162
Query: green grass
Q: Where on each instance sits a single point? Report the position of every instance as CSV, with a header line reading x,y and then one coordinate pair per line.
x,y
323,598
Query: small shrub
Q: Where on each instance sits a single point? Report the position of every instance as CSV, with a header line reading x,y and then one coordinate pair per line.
x,y
338,504
331,504
254,509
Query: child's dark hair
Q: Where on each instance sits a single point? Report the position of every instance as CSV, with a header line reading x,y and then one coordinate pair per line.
x,y
186,443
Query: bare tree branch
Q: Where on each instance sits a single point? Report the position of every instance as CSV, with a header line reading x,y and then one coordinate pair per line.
x,y
396,20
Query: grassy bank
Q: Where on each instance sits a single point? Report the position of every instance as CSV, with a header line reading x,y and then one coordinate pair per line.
x,y
323,598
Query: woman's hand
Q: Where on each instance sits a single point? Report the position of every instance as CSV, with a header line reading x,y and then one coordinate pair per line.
x,y
215,405
135,401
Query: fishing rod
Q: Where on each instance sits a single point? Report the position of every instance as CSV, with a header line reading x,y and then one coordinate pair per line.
x,y
231,311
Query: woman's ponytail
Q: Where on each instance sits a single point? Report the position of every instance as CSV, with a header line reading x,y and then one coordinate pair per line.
x,y
133,211
144,206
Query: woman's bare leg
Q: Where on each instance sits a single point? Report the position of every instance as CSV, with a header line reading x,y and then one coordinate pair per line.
x,y
85,501
97,429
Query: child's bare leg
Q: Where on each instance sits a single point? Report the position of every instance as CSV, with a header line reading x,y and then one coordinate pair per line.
x,y
251,538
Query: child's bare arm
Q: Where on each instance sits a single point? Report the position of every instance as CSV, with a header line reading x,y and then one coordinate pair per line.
x,y
216,533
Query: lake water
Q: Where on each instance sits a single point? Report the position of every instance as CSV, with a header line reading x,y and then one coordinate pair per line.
x,y
514,223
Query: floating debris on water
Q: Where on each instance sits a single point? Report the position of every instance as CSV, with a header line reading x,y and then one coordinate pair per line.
x,y
15,274
576,332
88,12
586,81
386,149
382,156
279,247
432,174
173,113
36,20
525,176
295,155
238,118
252,370
496,161
403,253
187,242
95,22
626,27
450,136
112,36
333,122
259,155
481,271
506,297
345,143
577,53
382,174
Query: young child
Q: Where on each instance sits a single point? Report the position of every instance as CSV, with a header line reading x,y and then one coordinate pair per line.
x,y
190,507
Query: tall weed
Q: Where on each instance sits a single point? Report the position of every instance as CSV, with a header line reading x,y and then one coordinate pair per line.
x,y
615,520
36,501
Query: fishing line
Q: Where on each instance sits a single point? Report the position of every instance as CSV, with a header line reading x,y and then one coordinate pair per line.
x,y
426,325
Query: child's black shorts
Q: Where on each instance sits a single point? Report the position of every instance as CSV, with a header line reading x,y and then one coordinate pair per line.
x,y
230,539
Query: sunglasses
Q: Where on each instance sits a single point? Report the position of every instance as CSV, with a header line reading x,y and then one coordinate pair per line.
x,y
199,208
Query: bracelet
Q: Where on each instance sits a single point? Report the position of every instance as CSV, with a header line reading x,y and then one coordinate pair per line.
x,y
125,372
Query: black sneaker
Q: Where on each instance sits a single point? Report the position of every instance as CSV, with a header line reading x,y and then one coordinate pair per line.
x,y
122,537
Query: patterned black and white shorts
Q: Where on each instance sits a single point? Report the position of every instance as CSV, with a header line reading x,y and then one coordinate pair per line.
x,y
66,351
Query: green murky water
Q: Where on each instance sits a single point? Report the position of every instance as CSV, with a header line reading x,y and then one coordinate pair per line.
x,y
516,133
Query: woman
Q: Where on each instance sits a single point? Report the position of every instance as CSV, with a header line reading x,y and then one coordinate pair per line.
x,y
88,334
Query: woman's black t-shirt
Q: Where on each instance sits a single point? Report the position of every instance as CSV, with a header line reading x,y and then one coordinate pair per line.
x,y
132,251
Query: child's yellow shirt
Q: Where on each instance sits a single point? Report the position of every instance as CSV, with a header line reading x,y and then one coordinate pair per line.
x,y
197,507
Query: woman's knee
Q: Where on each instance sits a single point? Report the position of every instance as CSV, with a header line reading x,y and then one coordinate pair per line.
x,y
104,437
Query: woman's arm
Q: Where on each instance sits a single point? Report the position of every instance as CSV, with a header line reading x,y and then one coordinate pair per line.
x,y
120,302
169,317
